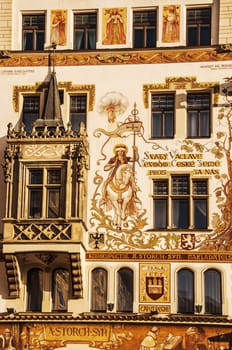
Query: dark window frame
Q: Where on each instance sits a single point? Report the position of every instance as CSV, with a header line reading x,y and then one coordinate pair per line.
x,y
34,31
187,200
144,29
60,289
185,291
213,291
31,110
87,29
125,289
198,20
199,114
34,289
78,110
99,289
40,204
162,115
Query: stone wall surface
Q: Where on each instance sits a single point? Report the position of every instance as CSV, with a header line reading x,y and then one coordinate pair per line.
x,y
5,24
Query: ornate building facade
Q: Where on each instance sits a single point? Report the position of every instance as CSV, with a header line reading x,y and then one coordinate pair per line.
x,y
116,175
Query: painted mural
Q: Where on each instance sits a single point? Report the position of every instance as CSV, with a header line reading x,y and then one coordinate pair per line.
x,y
171,24
116,206
119,216
211,58
58,27
221,238
114,26
119,336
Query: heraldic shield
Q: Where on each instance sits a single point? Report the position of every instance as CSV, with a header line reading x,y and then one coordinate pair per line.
x,y
154,287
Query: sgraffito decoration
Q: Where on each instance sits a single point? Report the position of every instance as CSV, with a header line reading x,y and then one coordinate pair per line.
x,y
114,26
119,216
211,55
153,336
171,24
58,27
221,237
116,205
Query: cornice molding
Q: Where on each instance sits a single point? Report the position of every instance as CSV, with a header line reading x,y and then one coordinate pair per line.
x,y
130,318
73,58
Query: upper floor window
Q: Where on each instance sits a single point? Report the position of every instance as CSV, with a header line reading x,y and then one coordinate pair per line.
x,y
186,200
85,29
185,291
213,293
99,290
144,29
162,109
60,289
31,110
78,110
125,290
46,192
33,31
198,111
199,26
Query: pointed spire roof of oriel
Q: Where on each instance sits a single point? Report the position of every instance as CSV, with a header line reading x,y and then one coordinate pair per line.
x,y
52,110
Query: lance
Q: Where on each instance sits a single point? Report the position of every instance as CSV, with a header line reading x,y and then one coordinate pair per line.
x,y
134,128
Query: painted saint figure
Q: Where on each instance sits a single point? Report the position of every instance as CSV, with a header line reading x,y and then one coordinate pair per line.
x,y
119,189
58,35
114,28
171,24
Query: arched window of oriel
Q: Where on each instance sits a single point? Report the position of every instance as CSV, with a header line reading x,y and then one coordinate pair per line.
x,y
213,293
125,290
34,290
60,290
185,290
99,290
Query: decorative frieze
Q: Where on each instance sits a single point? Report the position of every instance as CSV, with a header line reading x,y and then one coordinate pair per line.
x,y
41,232
114,57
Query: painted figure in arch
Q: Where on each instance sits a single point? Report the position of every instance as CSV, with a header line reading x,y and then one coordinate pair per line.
x,y
115,33
171,24
119,189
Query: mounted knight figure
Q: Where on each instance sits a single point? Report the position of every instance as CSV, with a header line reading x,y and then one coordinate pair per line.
x,y
119,189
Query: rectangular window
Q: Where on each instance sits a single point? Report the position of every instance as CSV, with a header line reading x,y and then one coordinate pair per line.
x,y
180,202
198,114
45,193
162,119
200,203
85,29
144,29
33,31
31,110
78,111
199,27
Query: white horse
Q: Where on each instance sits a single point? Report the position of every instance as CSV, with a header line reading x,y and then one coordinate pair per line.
x,y
119,192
